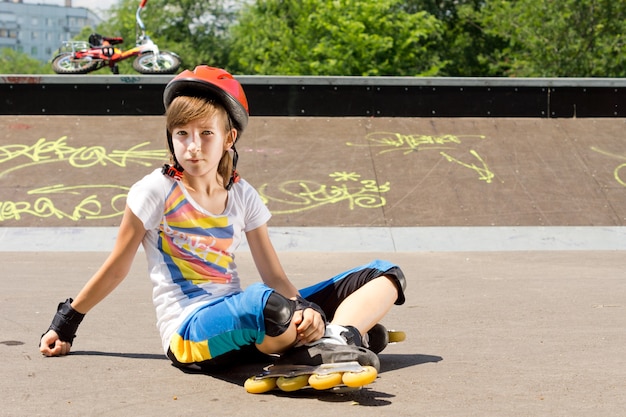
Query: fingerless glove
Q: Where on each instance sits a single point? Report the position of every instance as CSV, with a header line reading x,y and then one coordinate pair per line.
x,y
66,321
302,304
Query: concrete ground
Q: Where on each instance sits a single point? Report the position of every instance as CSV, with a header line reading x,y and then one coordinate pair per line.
x,y
536,333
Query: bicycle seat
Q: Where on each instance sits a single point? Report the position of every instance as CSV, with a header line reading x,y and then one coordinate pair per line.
x,y
95,40
113,41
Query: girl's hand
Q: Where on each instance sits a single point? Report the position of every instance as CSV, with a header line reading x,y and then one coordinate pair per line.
x,y
51,345
310,325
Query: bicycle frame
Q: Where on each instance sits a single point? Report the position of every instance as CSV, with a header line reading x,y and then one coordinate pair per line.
x,y
83,57
109,54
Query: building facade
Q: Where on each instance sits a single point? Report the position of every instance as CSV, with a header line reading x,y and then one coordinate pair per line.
x,y
39,29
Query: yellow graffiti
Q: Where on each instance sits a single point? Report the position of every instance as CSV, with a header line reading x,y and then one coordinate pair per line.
x,y
484,174
412,143
415,143
307,195
616,171
345,176
44,152
89,208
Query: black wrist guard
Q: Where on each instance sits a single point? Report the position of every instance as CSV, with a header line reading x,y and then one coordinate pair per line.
x,y
66,321
302,304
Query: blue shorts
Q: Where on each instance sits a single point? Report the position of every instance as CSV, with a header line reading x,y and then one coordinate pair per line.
x,y
232,323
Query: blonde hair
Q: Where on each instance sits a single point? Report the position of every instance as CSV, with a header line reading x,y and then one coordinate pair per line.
x,y
185,109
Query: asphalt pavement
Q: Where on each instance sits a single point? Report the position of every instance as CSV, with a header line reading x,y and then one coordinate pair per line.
x,y
492,333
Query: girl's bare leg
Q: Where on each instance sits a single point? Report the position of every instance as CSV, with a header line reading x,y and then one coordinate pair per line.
x,y
368,305
279,344
362,309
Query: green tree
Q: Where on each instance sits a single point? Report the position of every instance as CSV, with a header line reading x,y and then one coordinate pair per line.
x,y
13,62
567,38
464,46
195,30
445,10
334,37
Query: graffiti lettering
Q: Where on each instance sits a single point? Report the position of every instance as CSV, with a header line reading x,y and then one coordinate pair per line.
x,y
411,143
307,195
102,201
90,207
44,151
415,143
71,202
130,80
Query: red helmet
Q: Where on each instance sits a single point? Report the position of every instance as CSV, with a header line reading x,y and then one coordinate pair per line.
x,y
205,81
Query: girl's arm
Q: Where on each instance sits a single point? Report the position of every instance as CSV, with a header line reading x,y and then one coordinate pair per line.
x,y
310,324
267,262
109,276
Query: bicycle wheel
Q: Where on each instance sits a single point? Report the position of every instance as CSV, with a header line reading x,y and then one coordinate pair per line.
x,y
66,64
164,63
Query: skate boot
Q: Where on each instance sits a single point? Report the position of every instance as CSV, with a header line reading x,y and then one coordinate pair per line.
x,y
337,359
339,344
378,337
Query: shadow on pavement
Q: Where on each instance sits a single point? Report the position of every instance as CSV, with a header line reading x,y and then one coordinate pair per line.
x,y
118,354
394,361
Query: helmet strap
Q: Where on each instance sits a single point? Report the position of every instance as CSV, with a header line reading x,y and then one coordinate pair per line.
x,y
234,178
175,171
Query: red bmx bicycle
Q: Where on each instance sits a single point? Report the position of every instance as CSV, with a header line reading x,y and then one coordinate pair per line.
x,y
80,57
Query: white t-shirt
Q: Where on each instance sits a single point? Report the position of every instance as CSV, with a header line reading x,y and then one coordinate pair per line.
x,y
190,251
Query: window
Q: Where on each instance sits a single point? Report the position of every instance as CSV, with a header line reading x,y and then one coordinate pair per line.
x,y
8,33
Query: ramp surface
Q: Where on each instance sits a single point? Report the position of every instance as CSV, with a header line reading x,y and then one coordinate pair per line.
x,y
75,171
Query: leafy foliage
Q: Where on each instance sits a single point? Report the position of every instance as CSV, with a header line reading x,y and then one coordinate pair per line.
x,y
521,38
195,30
567,38
13,62
334,37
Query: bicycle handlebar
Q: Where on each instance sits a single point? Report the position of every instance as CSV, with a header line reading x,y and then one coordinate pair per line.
x,y
138,15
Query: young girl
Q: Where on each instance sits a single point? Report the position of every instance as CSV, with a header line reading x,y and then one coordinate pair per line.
x,y
190,218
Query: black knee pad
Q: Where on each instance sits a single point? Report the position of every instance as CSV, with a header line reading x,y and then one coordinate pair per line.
x,y
398,278
277,314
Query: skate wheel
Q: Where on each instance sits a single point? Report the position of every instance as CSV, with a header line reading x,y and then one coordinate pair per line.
x,y
292,383
358,379
326,381
396,336
255,385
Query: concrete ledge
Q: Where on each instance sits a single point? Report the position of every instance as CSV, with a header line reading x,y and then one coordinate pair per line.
x,y
350,239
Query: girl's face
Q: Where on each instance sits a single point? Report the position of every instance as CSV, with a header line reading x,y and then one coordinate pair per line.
x,y
199,144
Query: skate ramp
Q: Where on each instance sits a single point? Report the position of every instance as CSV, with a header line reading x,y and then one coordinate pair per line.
x,y
316,171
